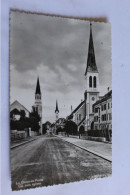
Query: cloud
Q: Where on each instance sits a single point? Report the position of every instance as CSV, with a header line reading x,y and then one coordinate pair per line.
x,y
56,50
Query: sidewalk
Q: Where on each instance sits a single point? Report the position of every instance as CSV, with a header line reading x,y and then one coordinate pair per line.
x,y
21,142
103,150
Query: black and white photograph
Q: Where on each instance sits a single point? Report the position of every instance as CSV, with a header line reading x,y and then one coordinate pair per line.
x,y
60,100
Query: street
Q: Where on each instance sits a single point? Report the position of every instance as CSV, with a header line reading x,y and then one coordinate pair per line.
x,y
50,160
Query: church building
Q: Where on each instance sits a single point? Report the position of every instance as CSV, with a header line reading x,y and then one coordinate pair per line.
x,y
83,115
57,111
38,103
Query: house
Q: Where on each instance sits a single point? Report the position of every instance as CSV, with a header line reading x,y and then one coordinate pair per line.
x,y
103,112
15,110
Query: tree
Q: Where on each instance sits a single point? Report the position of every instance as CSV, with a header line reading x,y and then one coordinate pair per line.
x,y
34,123
22,113
34,119
71,128
44,126
25,122
34,113
13,125
59,129
81,130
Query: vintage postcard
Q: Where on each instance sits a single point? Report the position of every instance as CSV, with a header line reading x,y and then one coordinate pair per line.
x,y
60,100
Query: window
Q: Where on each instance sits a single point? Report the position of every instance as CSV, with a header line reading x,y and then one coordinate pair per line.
x,y
104,117
108,106
96,118
94,81
104,106
90,81
96,110
80,117
110,116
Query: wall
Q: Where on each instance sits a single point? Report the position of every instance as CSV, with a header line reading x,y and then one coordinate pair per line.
x,y
80,111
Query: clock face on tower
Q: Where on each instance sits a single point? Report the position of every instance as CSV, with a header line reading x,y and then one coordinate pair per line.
x,y
93,98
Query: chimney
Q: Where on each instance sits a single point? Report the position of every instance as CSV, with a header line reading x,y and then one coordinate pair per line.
x,y
108,89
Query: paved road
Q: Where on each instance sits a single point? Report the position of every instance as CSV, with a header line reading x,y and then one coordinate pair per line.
x,y
50,160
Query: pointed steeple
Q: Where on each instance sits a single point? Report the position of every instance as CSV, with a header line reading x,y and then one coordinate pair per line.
x,y
91,62
38,90
56,110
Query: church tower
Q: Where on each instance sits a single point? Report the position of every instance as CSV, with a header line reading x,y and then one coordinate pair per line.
x,y
38,103
92,82
56,110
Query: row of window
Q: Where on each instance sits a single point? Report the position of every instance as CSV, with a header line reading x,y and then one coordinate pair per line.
x,y
79,117
109,126
96,110
104,117
94,82
103,107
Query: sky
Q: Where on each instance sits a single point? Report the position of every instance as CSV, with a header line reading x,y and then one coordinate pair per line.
x,y
55,49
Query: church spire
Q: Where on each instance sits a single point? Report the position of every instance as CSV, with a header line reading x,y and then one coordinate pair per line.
x,y
56,110
38,90
91,62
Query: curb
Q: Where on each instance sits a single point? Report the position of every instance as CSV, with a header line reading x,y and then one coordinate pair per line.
x,y
106,142
22,143
90,151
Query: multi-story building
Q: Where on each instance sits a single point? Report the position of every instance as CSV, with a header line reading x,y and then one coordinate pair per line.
x,y
103,112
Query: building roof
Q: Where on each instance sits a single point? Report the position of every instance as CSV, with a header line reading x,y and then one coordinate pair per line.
x,y
91,62
104,98
16,104
38,90
56,110
15,111
71,115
